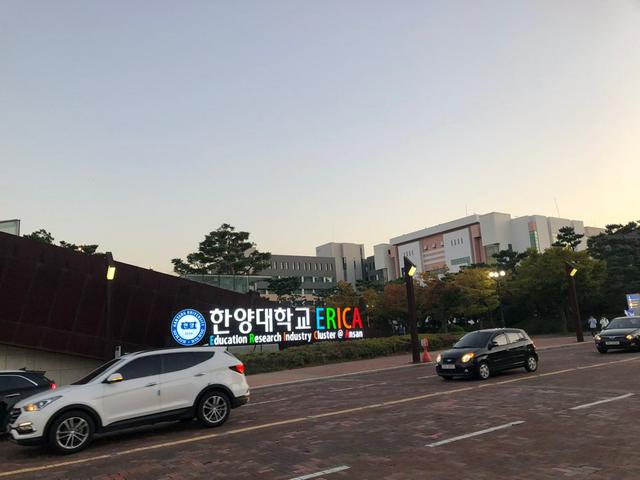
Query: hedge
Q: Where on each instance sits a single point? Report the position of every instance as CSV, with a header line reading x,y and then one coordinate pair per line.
x,y
336,352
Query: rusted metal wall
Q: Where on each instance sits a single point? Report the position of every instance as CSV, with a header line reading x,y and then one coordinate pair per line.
x,y
54,299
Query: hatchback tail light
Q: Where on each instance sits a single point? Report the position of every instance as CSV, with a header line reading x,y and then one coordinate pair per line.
x,y
53,386
238,368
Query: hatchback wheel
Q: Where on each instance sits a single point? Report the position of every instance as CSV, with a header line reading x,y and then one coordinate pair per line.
x,y
71,432
484,371
213,409
531,365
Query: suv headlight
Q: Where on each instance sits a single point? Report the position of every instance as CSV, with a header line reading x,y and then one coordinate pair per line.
x,y
438,358
598,338
466,358
36,406
629,337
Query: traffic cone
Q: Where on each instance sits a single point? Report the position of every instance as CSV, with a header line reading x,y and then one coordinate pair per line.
x,y
425,354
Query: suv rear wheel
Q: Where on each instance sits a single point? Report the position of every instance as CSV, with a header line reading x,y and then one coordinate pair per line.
x,y
213,409
71,432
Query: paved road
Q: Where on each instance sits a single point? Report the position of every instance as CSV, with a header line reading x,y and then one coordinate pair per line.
x,y
398,424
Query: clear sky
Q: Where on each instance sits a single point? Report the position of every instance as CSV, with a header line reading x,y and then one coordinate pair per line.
x,y
141,125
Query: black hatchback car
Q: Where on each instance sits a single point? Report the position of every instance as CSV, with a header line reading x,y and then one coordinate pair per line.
x,y
621,333
484,352
16,385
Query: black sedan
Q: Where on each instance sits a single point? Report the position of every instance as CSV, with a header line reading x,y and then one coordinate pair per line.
x,y
621,333
484,352
16,385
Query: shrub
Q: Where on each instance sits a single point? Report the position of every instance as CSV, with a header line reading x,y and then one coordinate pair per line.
x,y
335,352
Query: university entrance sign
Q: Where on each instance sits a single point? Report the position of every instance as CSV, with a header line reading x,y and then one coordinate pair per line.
x,y
255,326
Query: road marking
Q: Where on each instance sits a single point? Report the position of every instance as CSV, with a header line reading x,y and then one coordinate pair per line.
x,y
475,434
426,376
267,401
607,400
357,386
323,472
288,422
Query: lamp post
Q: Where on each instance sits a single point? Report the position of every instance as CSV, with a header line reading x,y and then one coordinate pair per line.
x,y
571,270
497,275
409,271
111,275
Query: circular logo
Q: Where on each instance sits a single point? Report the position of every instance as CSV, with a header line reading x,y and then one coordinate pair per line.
x,y
188,327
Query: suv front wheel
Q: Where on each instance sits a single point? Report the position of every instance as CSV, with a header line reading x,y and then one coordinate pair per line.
x,y
71,432
213,409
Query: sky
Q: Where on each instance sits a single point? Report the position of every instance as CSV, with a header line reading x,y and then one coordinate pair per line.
x,y
142,125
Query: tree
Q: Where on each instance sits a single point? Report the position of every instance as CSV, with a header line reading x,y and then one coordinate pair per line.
x,y
619,247
41,236
224,252
440,298
283,287
45,237
362,285
568,238
88,249
344,296
540,287
509,259
478,292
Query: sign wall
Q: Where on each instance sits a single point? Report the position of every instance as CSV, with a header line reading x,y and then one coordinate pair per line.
x,y
255,326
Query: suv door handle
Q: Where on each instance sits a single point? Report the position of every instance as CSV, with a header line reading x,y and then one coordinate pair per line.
x,y
199,375
12,395
151,385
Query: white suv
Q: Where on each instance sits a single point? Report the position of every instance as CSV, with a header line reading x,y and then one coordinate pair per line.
x,y
136,389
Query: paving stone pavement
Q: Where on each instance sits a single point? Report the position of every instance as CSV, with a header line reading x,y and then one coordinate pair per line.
x,y
379,425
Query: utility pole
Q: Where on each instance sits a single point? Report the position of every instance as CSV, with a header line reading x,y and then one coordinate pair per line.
x,y
111,275
409,272
573,298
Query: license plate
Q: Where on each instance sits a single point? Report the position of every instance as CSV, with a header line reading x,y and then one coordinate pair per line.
x,y
612,343
448,367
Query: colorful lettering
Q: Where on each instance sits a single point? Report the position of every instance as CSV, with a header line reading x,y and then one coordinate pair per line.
x,y
357,320
319,317
344,318
331,318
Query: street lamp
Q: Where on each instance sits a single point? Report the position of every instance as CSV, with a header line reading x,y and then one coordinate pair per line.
x,y
409,271
111,275
497,275
571,269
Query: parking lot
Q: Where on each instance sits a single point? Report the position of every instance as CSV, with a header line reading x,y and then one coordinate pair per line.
x,y
574,418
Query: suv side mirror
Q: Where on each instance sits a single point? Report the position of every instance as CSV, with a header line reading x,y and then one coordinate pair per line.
x,y
492,344
114,378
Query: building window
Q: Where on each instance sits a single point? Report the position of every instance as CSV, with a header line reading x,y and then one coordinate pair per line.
x,y
461,261
281,265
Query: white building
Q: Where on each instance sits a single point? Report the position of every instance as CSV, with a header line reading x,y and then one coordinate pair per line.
x,y
349,260
476,238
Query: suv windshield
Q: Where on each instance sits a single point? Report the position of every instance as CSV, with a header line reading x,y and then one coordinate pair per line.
x,y
624,323
474,340
96,372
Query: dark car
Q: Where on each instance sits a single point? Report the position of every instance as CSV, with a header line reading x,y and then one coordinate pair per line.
x,y
621,333
16,385
484,352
